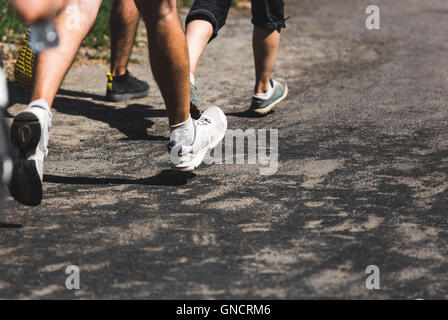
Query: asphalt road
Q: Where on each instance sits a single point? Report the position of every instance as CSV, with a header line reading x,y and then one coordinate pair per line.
x,y
362,177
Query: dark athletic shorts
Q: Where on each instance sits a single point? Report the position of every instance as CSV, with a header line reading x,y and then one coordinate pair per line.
x,y
267,14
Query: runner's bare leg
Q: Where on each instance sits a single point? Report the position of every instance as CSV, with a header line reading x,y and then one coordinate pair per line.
x,y
265,44
52,65
198,34
168,55
124,19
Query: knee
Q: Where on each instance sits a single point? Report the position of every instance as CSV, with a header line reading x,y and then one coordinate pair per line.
x,y
157,9
80,14
90,9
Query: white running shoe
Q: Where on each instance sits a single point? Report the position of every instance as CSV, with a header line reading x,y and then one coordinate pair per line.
x,y
209,130
29,137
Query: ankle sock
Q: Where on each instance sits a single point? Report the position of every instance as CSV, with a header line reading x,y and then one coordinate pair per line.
x,y
41,106
266,94
42,110
192,79
183,133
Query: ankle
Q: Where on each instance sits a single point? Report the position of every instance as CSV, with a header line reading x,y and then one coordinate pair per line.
x,y
262,87
264,91
40,103
117,72
183,132
185,124
41,108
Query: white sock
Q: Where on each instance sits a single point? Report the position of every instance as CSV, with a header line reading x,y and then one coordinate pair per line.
x,y
183,133
266,94
43,112
41,104
192,79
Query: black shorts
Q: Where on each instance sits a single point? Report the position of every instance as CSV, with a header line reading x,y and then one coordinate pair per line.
x,y
267,14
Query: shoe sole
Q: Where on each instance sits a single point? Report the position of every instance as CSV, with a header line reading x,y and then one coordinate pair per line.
x,y
125,96
269,107
25,185
23,69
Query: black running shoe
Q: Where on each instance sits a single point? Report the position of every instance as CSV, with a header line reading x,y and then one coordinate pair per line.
x,y
125,87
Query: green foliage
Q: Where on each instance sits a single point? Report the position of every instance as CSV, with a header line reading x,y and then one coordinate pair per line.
x,y
99,35
13,30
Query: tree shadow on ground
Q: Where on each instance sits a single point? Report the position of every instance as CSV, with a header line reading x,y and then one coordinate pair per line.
x,y
80,94
10,226
164,178
131,121
15,95
248,114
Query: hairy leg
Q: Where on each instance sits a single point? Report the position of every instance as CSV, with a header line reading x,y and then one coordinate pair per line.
x,y
168,56
123,28
265,44
198,34
72,23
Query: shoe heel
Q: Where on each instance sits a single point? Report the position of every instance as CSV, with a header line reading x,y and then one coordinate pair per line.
x,y
25,185
25,132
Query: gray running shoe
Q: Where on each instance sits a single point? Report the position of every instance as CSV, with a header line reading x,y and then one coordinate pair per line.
x,y
263,106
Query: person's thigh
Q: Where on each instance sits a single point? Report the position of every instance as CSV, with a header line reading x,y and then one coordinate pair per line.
x,y
213,11
268,14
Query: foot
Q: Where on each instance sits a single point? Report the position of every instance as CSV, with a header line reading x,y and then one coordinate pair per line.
x,y
264,105
209,130
195,106
29,137
125,87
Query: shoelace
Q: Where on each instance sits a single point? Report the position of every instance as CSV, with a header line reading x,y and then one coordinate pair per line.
x,y
203,121
131,76
126,76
